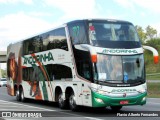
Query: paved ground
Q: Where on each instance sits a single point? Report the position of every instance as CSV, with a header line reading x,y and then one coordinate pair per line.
x,y
49,111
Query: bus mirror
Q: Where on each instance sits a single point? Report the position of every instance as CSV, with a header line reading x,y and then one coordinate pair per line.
x,y
156,59
94,58
154,51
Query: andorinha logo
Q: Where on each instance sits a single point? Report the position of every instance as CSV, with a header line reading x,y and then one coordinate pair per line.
x,y
123,90
41,58
119,51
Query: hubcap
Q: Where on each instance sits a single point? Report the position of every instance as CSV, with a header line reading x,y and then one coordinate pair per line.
x,y
17,95
60,100
22,96
72,101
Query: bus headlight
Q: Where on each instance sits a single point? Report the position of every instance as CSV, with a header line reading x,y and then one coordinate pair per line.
x,y
99,100
142,91
102,92
144,99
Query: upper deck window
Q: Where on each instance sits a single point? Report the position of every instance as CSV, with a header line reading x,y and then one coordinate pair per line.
x,y
78,33
113,34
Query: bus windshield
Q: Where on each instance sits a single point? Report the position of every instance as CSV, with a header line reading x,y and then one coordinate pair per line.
x,y
120,69
105,34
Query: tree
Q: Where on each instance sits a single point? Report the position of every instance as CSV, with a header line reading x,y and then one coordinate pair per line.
x,y
150,32
141,33
4,73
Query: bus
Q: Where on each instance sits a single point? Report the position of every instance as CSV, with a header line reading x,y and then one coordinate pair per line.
x,y
96,63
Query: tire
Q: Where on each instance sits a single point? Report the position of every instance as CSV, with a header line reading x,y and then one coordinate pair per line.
x,y
116,108
22,98
72,103
61,101
17,95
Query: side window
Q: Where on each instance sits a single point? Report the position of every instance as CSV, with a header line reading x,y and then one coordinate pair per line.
x,y
84,69
53,72
37,43
83,64
78,33
55,39
27,73
32,45
57,72
28,47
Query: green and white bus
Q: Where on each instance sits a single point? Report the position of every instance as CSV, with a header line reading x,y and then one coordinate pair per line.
x,y
92,62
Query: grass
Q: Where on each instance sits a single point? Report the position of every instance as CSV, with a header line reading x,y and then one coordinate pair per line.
x,y
153,90
153,77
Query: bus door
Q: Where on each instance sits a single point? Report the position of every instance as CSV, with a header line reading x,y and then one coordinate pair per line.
x,y
86,92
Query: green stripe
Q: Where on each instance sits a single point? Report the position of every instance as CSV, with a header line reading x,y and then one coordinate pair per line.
x,y
48,77
42,78
113,101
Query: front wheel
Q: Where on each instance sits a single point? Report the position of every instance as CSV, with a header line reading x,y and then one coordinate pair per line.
x,y
72,103
116,108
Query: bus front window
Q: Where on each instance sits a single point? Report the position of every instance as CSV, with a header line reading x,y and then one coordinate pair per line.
x,y
113,34
120,69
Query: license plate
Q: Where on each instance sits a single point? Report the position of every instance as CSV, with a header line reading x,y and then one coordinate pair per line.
x,y
124,102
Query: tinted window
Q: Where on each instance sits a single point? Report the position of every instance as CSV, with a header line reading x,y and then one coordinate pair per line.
x,y
55,39
83,64
110,34
112,31
78,33
3,79
57,71
27,73
52,72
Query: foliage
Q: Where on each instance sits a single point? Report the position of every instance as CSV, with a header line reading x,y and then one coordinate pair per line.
x,y
4,73
150,32
147,34
141,33
150,66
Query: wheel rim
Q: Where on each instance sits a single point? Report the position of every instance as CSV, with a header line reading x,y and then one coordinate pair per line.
x,y
22,95
60,100
72,101
17,94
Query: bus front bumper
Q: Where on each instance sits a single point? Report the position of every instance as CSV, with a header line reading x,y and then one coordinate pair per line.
x,y
99,100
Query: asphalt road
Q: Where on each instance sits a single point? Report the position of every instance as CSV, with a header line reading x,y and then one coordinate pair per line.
x,y
50,111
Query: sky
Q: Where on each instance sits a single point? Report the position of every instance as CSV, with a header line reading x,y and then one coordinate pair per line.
x,y
20,19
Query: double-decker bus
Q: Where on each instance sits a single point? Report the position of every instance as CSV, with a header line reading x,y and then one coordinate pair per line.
x,y
92,62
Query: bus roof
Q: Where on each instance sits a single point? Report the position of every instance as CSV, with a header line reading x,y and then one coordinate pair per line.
x,y
109,20
62,25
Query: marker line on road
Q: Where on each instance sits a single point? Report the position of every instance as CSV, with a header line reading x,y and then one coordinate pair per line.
x,y
92,118
153,103
27,105
75,115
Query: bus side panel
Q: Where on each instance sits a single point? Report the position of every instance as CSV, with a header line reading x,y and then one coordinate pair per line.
x,y
14,74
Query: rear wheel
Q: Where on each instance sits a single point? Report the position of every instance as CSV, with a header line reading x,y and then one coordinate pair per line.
x,y
22,98
17,95
116,108
61,101
72,103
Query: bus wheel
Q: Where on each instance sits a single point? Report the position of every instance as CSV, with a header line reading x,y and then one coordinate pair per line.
x,y
22,98
17,95
61,101
116,108
72,103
